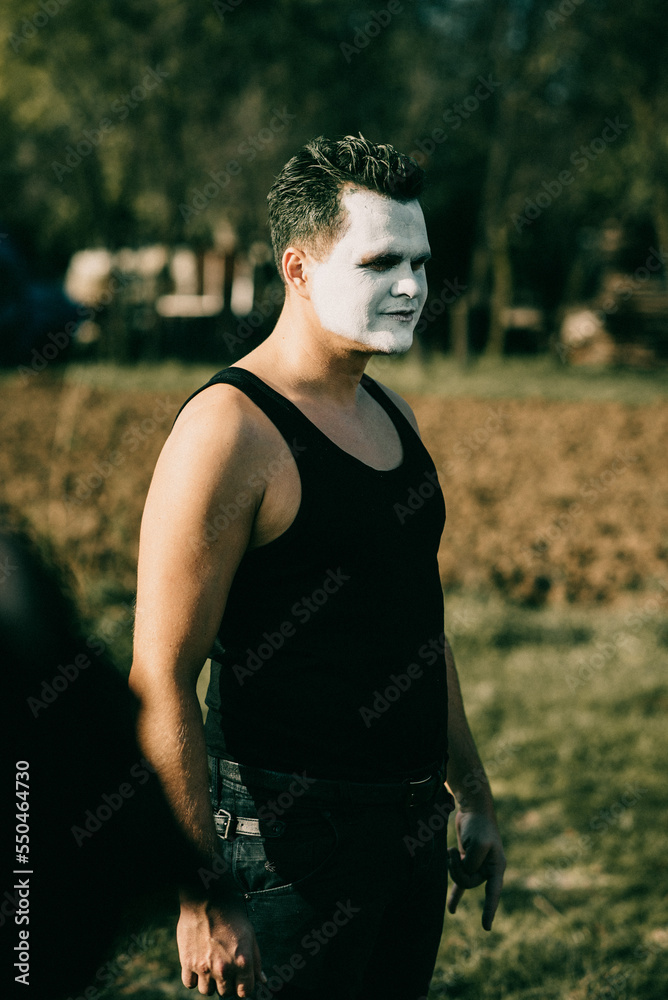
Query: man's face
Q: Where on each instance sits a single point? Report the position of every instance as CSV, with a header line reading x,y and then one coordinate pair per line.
x,y
372,286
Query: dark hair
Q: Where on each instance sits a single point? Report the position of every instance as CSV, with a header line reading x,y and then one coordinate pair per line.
x,y
305,199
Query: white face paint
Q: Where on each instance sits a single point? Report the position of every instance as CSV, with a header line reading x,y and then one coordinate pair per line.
x,y
372,286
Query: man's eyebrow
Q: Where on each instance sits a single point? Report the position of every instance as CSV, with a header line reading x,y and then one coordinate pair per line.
x,y
390,258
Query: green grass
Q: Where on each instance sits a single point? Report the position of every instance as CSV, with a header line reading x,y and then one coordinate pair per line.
x,y
486,378
518,378
572,730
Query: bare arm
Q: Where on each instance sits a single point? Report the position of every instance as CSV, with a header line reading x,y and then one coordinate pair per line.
x,y
480,857
186,567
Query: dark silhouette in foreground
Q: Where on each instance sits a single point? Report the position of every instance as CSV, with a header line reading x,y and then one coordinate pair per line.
x,y
103,847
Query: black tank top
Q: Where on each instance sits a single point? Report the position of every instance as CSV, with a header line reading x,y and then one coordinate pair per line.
x,y
330,655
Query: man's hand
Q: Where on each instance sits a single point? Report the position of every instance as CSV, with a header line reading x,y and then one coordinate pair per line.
x,y
480,858
218,950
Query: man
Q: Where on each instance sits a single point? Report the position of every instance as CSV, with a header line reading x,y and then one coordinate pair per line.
x,y
282,530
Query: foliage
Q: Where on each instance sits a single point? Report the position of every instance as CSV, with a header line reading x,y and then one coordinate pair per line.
x,y
500,102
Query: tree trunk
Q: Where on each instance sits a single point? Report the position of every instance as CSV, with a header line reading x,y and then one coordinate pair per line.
x,y
502,292
459,329
654,162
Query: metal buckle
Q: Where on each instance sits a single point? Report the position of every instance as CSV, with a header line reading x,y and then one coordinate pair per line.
x,y
414,788
223,822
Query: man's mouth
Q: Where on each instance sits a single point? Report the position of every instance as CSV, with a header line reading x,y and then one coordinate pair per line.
x,y
403,315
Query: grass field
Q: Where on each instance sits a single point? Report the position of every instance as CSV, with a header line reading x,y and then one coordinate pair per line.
x,y
553,563
569,712
484,378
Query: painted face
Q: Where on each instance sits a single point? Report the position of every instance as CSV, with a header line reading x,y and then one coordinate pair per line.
x,y
372,286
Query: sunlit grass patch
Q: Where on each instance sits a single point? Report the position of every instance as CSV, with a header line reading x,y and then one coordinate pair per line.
x,y
580,791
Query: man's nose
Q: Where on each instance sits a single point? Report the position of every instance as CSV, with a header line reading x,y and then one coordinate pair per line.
x,y
408,284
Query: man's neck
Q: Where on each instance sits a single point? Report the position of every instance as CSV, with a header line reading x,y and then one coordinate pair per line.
x,y
308,363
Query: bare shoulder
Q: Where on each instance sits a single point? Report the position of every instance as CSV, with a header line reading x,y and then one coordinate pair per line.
x,y
402,405
220,407
217,439
222,424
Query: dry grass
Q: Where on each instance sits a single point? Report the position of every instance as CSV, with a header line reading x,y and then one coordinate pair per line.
x,y
557,502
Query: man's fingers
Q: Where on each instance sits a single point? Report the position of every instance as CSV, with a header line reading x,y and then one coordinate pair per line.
x,y
242,973
460,875
474,857
206,986
238,980
491,874
492,896
245,985
456,894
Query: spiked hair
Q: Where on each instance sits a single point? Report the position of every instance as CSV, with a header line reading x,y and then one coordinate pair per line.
x,y
305,199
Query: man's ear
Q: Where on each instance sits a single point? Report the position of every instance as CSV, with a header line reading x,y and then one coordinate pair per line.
x,y
295,270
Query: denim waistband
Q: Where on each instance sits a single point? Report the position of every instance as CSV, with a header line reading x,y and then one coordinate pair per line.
x,y
410,791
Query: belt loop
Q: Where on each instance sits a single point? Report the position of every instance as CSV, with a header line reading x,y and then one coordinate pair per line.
x,y
214,771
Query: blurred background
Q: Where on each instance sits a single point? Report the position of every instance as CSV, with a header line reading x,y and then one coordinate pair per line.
x,y
138,143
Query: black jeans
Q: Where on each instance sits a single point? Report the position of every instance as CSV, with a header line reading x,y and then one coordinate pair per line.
x,y
347,899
